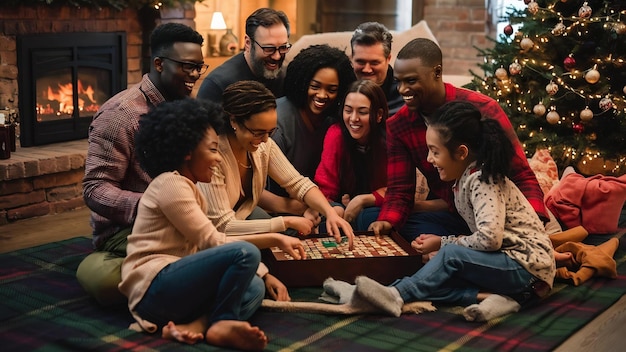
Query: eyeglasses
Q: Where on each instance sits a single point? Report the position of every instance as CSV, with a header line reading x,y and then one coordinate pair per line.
x,y
260,134
270,50
189,67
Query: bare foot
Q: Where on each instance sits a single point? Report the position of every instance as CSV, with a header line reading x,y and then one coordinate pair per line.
x,y
565,259
183,333
237,334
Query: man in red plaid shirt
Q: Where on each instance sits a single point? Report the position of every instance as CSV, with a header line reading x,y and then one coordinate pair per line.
x,y
418,71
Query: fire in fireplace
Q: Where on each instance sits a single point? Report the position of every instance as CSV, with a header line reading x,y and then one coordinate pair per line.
x,y
63,79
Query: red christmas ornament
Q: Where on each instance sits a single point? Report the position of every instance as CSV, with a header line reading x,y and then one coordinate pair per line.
x,y
569,63
527,1
578,128
508,30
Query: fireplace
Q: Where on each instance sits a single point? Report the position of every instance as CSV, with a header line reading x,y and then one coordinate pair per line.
x,y
63,79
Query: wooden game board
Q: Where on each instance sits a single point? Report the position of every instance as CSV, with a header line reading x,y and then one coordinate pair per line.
x,y
385,260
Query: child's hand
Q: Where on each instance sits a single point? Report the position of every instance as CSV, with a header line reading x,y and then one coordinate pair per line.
x,y
291,246
426,243
313,215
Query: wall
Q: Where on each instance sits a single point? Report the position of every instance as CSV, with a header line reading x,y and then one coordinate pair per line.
x,y
458,25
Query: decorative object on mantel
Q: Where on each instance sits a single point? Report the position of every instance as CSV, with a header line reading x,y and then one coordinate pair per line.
x,y
116,4
229,43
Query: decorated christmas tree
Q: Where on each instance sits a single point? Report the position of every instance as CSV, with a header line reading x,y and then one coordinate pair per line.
x,y
561,78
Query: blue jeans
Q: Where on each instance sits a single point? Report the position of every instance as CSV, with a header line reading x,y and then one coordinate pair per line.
x,y
218,282
456,274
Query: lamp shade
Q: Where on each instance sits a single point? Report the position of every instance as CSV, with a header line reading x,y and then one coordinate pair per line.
x,y
217,21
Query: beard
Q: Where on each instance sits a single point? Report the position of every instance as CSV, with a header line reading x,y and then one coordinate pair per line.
x,y
258,66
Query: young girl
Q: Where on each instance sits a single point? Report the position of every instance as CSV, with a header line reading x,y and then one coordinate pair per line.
x,y
352,171
508,253
181,274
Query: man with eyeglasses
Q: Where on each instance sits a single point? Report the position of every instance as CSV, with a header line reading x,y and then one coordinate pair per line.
x,y
266,44
114,180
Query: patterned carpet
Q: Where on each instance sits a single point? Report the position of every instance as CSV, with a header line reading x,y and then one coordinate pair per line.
x,y
43,308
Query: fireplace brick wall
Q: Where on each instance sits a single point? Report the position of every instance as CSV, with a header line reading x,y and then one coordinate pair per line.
x,y
45,180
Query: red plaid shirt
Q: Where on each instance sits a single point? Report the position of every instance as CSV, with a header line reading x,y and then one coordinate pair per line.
x,y
407,149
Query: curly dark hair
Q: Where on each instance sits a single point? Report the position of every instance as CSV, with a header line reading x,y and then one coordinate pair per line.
x,y
301,70
461,123
172,130
243,99
164,36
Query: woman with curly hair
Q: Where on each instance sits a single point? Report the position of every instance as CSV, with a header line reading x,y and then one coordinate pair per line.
x,y
181,275
315,81
250,157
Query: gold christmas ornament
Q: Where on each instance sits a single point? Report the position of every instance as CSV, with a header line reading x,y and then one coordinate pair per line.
x,y
553,117
501,73
592,76
526,43
539,109
559,29
586,114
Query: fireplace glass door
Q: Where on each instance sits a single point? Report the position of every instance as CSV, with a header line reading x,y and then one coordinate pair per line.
x,y
63,81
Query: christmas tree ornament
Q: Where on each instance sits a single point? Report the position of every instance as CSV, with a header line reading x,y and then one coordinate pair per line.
x,y
501,74
533,7
508,29
553,117
559,29
592,76
584,11
578,128
619,28
552,88
515,68
586,114
539,109
624,89
527,1
593,136
569,63
526,43
605,104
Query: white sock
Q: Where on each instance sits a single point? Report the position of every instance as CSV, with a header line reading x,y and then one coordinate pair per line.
x,y
387,299
339,291
491,307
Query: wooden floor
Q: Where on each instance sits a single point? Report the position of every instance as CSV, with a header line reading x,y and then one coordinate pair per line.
x,y
605,333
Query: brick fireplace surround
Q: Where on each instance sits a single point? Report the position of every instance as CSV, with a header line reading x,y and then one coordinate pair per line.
x,y
42,180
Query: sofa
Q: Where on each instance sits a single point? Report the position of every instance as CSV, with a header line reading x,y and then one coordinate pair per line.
x,y
341,40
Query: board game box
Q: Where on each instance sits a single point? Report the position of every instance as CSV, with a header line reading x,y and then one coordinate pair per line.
x,y
384,260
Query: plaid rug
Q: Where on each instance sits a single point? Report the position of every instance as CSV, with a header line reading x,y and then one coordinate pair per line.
x,y
43,308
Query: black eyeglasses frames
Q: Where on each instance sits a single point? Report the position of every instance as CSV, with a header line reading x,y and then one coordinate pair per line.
x,y
260,134
270,50
189,67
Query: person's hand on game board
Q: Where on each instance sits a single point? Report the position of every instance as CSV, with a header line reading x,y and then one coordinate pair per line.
x,y
275,288
335,225
301,224
380,227
426,243
290,245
